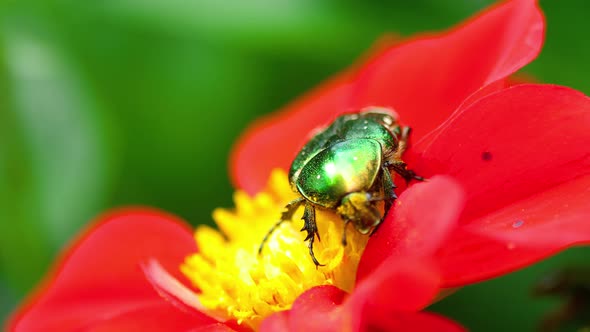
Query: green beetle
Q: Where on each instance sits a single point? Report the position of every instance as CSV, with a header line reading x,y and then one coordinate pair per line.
x,y
346,168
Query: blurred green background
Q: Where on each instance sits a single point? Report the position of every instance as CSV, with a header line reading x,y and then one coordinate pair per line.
x,y
111,103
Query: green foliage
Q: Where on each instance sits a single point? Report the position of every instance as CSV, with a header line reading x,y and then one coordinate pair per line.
x,y
110,103
54,152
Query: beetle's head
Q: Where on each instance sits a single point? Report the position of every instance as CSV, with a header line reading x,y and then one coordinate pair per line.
x,y
360,209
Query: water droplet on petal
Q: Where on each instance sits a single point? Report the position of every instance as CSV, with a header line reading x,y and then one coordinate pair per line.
x,y
510,245
517,224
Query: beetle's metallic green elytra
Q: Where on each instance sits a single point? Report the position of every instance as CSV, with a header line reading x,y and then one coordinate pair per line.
x,y
348,166
345,167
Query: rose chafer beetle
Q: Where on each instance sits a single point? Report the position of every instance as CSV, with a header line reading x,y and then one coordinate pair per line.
x,y
346,168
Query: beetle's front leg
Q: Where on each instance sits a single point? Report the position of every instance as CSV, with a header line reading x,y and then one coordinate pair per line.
x,y
346,222
388,187
311,228
389,195
287,215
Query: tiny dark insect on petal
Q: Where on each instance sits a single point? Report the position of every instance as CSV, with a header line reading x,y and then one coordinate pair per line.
x,y
486,156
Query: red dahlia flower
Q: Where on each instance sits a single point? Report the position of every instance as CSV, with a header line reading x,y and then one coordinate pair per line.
x,y
508,171
113,279
519,152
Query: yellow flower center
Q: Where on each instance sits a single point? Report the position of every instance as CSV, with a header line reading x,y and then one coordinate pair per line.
x,y
237,282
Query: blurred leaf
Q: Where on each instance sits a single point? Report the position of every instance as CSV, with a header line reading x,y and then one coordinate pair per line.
x,y
564,59
261,24
303,28
507,303
7,300
53,166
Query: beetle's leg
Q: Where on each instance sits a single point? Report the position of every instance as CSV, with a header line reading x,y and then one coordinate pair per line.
x,y
388,193
312,230
400,168
287,215
396,163
346,222
388,187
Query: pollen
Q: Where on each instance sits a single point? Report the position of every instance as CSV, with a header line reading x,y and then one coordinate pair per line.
x,y
238,283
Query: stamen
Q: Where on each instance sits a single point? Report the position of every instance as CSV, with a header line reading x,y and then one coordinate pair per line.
x,y
237,282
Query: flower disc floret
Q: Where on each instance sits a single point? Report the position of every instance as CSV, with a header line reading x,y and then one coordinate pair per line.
x,y
237,282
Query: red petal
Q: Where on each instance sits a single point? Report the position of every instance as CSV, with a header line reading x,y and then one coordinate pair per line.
x,y
416,322
398,284
422,218
522,156
318,309
511,145
99,280
390,298
216,327
556,217
159,318
425,80
469,257
273,141
276,322
387,300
